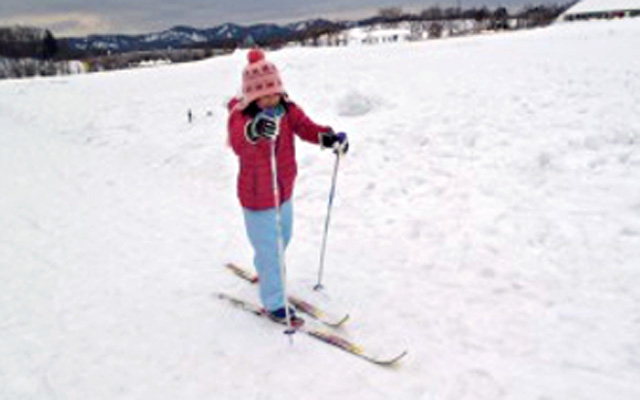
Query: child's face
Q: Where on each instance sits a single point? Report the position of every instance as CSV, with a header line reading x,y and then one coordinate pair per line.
x,y
268,101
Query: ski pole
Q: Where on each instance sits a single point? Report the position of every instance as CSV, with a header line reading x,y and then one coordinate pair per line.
x,y
332,193
283,274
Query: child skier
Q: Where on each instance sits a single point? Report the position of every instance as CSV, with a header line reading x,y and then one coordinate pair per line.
x,y
261,118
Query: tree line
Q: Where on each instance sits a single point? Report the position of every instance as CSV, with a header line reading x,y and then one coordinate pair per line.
x,y
540,15
25,42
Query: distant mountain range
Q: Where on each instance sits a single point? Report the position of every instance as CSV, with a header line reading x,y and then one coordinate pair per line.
x,y
185,36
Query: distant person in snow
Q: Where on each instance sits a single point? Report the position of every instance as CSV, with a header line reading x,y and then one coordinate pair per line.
x,y
190,116
262,117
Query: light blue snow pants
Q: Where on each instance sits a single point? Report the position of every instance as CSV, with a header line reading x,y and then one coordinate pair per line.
x,y
263,235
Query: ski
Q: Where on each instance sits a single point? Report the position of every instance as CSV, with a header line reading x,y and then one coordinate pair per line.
x,y
323,336
300,305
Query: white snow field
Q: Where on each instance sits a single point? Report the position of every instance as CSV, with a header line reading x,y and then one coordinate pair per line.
x,y
487,219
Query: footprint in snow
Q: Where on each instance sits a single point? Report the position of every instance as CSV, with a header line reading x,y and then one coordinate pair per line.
x,y
356,104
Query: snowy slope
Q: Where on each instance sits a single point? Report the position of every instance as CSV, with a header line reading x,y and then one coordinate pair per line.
x,y
487,219
604,5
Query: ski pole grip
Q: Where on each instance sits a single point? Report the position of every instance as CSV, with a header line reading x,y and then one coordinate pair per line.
x,y
271,113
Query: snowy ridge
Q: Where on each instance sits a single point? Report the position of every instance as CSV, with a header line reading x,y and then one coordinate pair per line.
x,y
487,218
180,34
185,35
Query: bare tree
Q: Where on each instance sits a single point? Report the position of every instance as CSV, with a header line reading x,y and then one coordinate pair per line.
x,y
432,14
500,19
390,13
452,13
391,16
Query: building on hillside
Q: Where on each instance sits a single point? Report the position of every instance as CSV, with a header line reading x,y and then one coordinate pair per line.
x,y
377,35
601,9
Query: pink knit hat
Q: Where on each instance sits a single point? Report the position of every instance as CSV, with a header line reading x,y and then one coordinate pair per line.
x,y
259,78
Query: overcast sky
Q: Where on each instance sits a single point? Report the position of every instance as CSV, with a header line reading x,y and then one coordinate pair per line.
x,y
82,17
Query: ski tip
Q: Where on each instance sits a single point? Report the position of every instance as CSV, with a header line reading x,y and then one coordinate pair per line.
x,y
242,272
339,323
392,362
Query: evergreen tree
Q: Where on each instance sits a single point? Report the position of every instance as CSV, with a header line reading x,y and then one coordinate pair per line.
x,y
50,46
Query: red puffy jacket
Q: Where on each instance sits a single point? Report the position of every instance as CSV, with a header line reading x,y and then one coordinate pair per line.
x,y
255,182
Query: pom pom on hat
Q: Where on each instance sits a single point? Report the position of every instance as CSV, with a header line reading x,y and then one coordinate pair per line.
x,y
255,55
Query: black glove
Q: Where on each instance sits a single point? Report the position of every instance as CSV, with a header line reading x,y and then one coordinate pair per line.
x,y
262,126
339,142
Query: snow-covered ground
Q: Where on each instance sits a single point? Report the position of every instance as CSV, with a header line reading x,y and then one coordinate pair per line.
x,y
487,219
